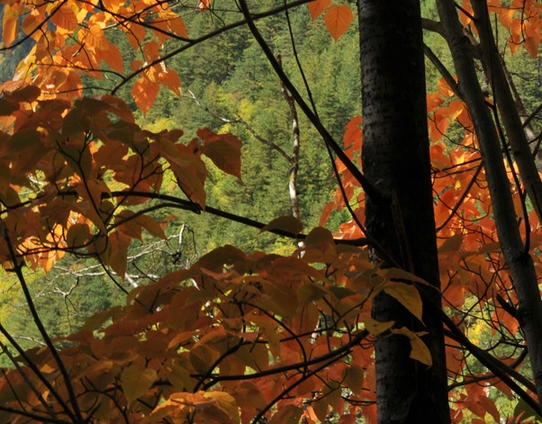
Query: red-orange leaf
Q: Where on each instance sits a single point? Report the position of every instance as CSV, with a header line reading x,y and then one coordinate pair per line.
x,y
316,7
145,92
203,5
171,80
113,57
338,19
223,149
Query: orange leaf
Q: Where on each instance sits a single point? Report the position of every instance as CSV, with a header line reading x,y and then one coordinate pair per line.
x,y
96,37
223,149
136,380
338,19
113,57
171,80
78,235
9,25
119,252
352,134
145,92
316,7
151,226
65,17
203,5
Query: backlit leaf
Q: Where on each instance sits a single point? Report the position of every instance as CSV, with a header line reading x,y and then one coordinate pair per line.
x,y
316,7
223,149
144,93
408,295
113,57
78,235
338,19
65,17
419,350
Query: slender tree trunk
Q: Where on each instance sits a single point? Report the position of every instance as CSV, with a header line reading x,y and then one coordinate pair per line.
x,y
514,251
491,61
396,161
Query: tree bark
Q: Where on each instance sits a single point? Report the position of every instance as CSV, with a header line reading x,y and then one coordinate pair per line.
x,y
396,161
513,249
492,64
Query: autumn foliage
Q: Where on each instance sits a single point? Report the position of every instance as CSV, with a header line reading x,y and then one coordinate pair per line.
x,y
237,336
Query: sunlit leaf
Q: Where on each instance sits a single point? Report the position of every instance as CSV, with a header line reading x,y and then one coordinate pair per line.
x,y
316,7
408,295
338,19
419,350
144,93
223,149
65,17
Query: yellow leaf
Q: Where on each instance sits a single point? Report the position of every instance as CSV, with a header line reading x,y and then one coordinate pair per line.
x,y
375,327
338,19
419,350
400,274
408,295
136,380
225,403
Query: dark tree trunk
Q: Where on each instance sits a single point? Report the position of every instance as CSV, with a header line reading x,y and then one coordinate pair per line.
x,y
396,161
